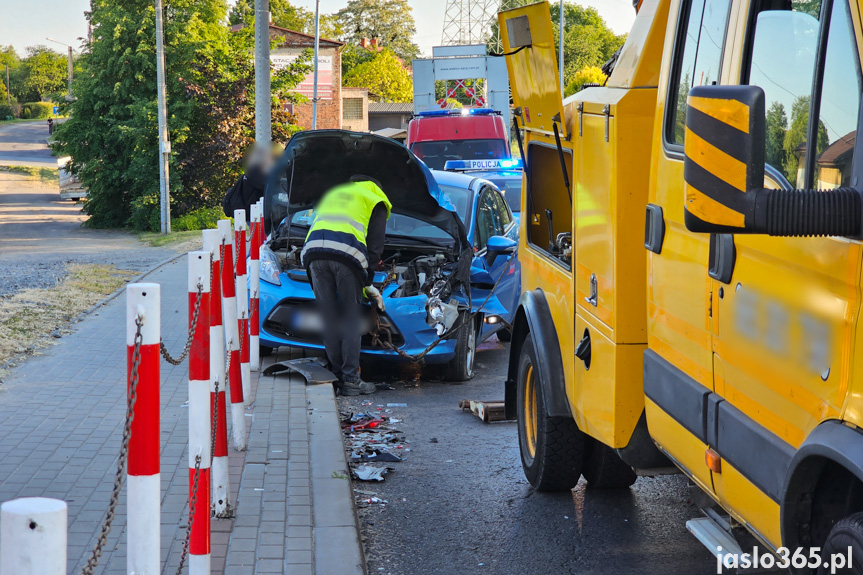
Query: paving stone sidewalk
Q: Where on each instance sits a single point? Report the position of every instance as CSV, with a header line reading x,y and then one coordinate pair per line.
x,y
61,417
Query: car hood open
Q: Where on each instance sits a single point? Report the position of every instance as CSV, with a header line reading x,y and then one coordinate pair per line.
x,y
316,161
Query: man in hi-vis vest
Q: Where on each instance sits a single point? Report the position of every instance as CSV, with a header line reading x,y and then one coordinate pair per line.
x,y
341,252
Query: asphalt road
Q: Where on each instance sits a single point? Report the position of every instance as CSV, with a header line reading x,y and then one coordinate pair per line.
x,y
39,233
459,503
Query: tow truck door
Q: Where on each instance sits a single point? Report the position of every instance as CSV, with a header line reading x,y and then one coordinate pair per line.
x,y
785,308
533,72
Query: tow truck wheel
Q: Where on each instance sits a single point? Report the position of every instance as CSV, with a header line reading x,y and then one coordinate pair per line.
x,y
552,448
460,368
844,540
604,469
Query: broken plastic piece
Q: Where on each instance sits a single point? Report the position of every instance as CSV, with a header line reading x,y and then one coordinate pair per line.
x,y
370,473
311,368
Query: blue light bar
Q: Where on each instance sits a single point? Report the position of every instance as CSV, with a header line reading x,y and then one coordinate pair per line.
x,y
489,165
457,112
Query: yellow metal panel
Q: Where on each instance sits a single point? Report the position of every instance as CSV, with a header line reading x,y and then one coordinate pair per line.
x,y
748,504
533,70
680,444
639,61
608,397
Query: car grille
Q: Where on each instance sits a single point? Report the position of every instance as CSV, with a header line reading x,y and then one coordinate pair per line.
x,y
296,319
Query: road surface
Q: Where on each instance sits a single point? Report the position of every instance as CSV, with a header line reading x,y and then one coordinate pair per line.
x,y
39,233
460,502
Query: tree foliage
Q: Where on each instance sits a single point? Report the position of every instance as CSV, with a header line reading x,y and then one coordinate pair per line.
x,y
589,75
390,21
41,73
286,15
796,137
776,126
112,133
385,76
353,55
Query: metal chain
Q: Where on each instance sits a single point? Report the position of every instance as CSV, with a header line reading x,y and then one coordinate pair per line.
x,y
214,422
192,503
93,560
192,329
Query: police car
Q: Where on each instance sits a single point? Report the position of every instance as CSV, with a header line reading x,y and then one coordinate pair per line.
x,y
504,173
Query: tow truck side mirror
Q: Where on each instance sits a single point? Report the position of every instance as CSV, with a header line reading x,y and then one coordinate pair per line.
x,y
724,174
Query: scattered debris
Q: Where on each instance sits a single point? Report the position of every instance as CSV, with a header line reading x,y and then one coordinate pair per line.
x,y
433,440
487,411
397,405
311,368
370,473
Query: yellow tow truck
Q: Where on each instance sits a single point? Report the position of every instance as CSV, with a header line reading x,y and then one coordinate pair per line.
x,y
691,269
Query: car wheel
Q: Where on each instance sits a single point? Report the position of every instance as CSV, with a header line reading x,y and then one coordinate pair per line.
x,y
460,368
604,469
552,448
845,539
266,351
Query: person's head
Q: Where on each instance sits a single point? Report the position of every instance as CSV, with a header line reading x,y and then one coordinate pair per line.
x,y
364,178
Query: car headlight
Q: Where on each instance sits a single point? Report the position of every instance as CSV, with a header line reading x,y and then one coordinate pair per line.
x,y
270,266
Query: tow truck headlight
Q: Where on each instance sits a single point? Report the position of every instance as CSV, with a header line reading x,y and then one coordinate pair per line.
x,y
270,267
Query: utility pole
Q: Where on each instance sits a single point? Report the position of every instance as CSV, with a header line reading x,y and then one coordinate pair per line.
x,y
317,48
560,56
263,111
8,88
68,63
164,142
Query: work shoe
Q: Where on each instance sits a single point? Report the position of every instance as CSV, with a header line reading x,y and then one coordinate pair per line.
x,y
358,388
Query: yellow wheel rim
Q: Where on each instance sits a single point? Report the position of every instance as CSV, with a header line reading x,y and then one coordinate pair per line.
x,y
530,411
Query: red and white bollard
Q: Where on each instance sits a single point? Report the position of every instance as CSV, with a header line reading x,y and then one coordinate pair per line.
x,y
221,484
200,415
243,303
33,537
255,291
143,494
232,335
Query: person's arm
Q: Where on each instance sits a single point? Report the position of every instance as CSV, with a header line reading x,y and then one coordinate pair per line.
x,y
376,239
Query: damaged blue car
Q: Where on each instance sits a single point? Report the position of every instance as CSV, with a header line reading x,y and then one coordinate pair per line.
x,y
449,271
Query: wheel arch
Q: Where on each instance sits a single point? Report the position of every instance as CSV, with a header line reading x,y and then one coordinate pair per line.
x,y
824,483
533,316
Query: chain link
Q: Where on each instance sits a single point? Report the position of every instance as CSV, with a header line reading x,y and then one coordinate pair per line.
x,y
192,329
192,503
93,560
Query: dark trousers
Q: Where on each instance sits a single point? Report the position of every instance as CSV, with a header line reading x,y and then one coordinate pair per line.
x,y
338,293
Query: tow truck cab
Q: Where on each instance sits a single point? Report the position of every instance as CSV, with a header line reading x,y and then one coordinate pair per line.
x,y
437,136
689,298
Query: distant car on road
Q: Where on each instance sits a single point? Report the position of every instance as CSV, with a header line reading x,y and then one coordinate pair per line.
x,y
70,187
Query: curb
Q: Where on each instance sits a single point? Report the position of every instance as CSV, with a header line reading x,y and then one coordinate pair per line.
x,y
334,513
83,315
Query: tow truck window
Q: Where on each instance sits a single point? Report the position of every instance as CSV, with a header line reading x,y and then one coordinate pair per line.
x,y
435,154
782,55
547,196
697,59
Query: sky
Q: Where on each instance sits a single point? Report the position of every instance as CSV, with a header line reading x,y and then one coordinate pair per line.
x,y
24,24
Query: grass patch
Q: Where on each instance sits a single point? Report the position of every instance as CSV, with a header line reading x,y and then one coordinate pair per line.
x,y
46,175
32,319
158,240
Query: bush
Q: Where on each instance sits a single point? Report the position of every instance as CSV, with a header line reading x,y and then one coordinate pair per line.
x,y
146,216
6,112
25,113
40,110
200,219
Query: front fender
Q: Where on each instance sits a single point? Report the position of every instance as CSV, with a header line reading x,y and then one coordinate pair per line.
x,y
533,316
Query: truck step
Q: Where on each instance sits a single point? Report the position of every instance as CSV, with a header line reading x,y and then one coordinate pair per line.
x,y
712,536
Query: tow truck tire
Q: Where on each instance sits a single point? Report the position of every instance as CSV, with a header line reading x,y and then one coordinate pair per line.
x,y
846,534
552,448
604,469
460,368
266,351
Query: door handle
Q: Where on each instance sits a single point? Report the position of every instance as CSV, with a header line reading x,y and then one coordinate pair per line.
x,y
722,257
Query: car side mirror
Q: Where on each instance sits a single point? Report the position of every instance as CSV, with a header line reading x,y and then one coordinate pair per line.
x,y
724,174
499,245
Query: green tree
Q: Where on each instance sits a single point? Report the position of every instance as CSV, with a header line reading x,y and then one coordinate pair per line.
x,y
385,76
776,126
41,73
589,75
286,15
353,55
390,21
112,133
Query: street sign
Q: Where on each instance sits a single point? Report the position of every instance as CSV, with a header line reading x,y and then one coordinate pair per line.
x,y
56,110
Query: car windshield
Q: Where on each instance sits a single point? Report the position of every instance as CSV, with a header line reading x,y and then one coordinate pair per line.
x,y
436,154
511,189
